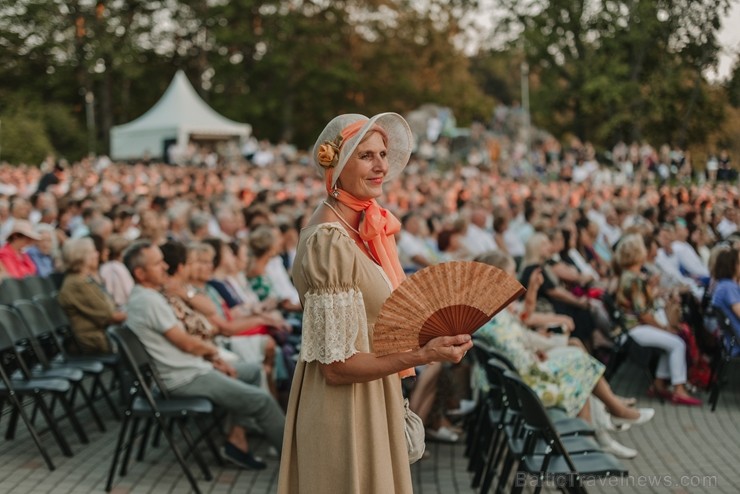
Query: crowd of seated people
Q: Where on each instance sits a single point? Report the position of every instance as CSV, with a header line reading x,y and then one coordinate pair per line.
x,y
557,366
228,236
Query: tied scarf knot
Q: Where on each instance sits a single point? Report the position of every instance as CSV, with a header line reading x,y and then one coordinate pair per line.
x,y
378,221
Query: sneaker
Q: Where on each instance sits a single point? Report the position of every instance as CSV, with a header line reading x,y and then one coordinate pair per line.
x,y
443,434
466,406
247,460
610,445
645,415
620,450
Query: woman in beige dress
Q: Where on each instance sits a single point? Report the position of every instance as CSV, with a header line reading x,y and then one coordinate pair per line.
x,y
345,424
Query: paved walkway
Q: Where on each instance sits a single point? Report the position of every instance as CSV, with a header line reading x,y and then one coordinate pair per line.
x,y
683,450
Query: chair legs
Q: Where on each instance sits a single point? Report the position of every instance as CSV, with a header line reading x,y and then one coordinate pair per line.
x,y
19,411
180,459
117,452
46,412
719,375
72,416
98,385
129,446
91,406
127,437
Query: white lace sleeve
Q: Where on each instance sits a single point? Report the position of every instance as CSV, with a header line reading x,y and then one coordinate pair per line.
x,y
331,323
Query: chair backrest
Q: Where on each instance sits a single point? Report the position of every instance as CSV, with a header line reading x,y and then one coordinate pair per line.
x,y
40,331
12,336
616,314
7,342
494,370
54,310
35,317
36,285
59,319
725,325
11,290
14,325
135,358
536,419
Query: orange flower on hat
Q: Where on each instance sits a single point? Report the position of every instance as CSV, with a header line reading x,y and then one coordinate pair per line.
x,y
328,153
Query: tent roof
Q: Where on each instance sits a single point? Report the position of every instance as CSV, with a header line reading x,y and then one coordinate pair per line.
x,y
181,108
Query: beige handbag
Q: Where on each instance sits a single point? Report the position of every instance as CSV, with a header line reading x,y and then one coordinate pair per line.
x,y
414,429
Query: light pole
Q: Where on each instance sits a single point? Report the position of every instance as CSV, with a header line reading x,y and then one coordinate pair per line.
x,y
90,114
524,70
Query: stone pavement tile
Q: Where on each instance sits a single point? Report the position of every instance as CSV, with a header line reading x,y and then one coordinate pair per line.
x,y
678,441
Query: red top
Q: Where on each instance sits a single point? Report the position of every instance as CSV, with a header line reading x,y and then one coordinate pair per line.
x,y
17,264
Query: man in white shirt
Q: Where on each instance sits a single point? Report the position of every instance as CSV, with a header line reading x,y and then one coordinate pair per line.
x,y
191,366
728,225
477,238
688,258
669,264
414,249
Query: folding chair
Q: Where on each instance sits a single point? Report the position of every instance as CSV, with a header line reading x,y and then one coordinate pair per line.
x,y
728,347
143,404
63,328
40,366
556,461
14,389
37,285
576,432
11,290
44,330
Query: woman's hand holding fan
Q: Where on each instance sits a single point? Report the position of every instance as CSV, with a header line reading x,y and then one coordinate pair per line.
x,y
445,299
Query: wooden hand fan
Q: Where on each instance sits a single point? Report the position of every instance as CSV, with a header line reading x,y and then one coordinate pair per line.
x,y
442,300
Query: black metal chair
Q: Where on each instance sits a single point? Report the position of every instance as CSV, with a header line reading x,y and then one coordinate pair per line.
x,y
728,346
38,362
45,331
11,290
575,432
566,467
63,328
17,383
37,285
159,408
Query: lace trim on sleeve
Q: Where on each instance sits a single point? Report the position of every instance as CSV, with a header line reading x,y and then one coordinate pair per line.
x,y
331,322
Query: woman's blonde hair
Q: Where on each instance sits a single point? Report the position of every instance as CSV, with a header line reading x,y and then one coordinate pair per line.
x,y
497,259
262,240
630,251
533,248
75,252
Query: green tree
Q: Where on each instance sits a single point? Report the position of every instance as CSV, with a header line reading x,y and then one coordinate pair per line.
x,y
612,70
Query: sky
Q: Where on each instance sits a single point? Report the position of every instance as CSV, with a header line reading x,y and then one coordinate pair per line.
x,y
729,37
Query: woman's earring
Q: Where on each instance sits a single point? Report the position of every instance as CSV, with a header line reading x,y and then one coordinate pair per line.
x,y
335,193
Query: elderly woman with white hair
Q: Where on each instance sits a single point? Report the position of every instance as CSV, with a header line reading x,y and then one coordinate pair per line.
x,y
345,423
89,307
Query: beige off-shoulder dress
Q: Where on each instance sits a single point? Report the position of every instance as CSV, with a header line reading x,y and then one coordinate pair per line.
x,y
347,438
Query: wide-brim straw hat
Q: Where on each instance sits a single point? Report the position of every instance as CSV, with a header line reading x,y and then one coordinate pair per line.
x,y
399,146
23,227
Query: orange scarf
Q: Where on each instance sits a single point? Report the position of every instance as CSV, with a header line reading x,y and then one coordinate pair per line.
x,y
377,227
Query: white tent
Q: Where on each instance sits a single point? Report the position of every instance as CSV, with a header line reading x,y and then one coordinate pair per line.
x,y
179,115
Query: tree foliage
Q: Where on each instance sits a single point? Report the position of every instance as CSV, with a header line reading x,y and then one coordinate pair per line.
x,y
619,69
286,66
601,70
